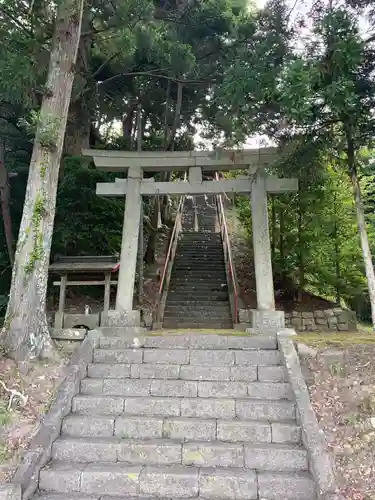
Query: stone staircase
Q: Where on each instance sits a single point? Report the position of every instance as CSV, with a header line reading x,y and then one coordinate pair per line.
x,y
198,290
199,416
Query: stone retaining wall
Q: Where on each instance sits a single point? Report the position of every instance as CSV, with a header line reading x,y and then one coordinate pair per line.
x,y
335,319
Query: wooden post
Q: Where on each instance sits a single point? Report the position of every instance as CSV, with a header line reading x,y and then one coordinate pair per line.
x,y
107,292
62,293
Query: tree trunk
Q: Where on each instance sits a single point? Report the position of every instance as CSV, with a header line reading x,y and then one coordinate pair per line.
x,y
5,210
166,177
301,260
367,258
273,228
25,331
337,251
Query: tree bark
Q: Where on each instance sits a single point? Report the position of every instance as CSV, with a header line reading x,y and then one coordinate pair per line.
x,y
301,260
166,177
5,210
367,258
25,332
273,229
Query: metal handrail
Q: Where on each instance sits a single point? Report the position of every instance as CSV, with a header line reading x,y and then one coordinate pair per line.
x,y
229,259
174,235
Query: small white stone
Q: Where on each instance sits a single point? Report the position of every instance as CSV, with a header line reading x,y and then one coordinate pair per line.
x,y
136,343
372,422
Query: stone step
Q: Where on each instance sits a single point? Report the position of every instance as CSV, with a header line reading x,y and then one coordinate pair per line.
x,y
207,324
185,388
242,409
218,357
187,372
181,429
214,306
174,481
239,341
169,452
198,316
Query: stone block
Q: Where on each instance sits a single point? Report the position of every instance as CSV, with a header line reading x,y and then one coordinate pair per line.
x,y
208,342
59,320
329,313
92,386
174,388
128,387
271,374
214,454
84,450
111,479
262,410
90,321
196,372
307,315
337,310
188,429
119,343
275,457
250,432
168,342
126,356
228,484
321,321
267,319
252,342
308,325
268,390
103,370
68,333
319,314
332,321
283,433
292,486
211,357
149,452
61,477
166,356
105,405
244,316
88,426
208,408
296,323
343,327
261,357
121,318
169,482
245,373
222,389
150,371
168,407
10,491
296,314
138,427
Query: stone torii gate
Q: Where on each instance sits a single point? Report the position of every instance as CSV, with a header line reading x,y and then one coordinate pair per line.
x,y
257,183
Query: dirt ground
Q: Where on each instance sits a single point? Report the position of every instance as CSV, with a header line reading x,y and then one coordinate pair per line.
x,y
340,374
18,426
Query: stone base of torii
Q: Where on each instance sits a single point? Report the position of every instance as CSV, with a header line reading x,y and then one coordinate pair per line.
x,y
257,183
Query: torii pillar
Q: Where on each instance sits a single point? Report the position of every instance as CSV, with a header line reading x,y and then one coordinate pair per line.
x,y
265,316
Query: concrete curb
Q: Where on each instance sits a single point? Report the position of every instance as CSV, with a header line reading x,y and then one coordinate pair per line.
x,y
321,464
39,453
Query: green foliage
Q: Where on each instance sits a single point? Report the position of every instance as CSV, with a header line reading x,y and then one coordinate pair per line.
x,y
86,224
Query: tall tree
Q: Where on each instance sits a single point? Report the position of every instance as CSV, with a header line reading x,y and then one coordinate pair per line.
x,y
25,333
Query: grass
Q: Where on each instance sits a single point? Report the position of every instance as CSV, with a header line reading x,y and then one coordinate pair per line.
x,y
338,339
4,453
4,415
